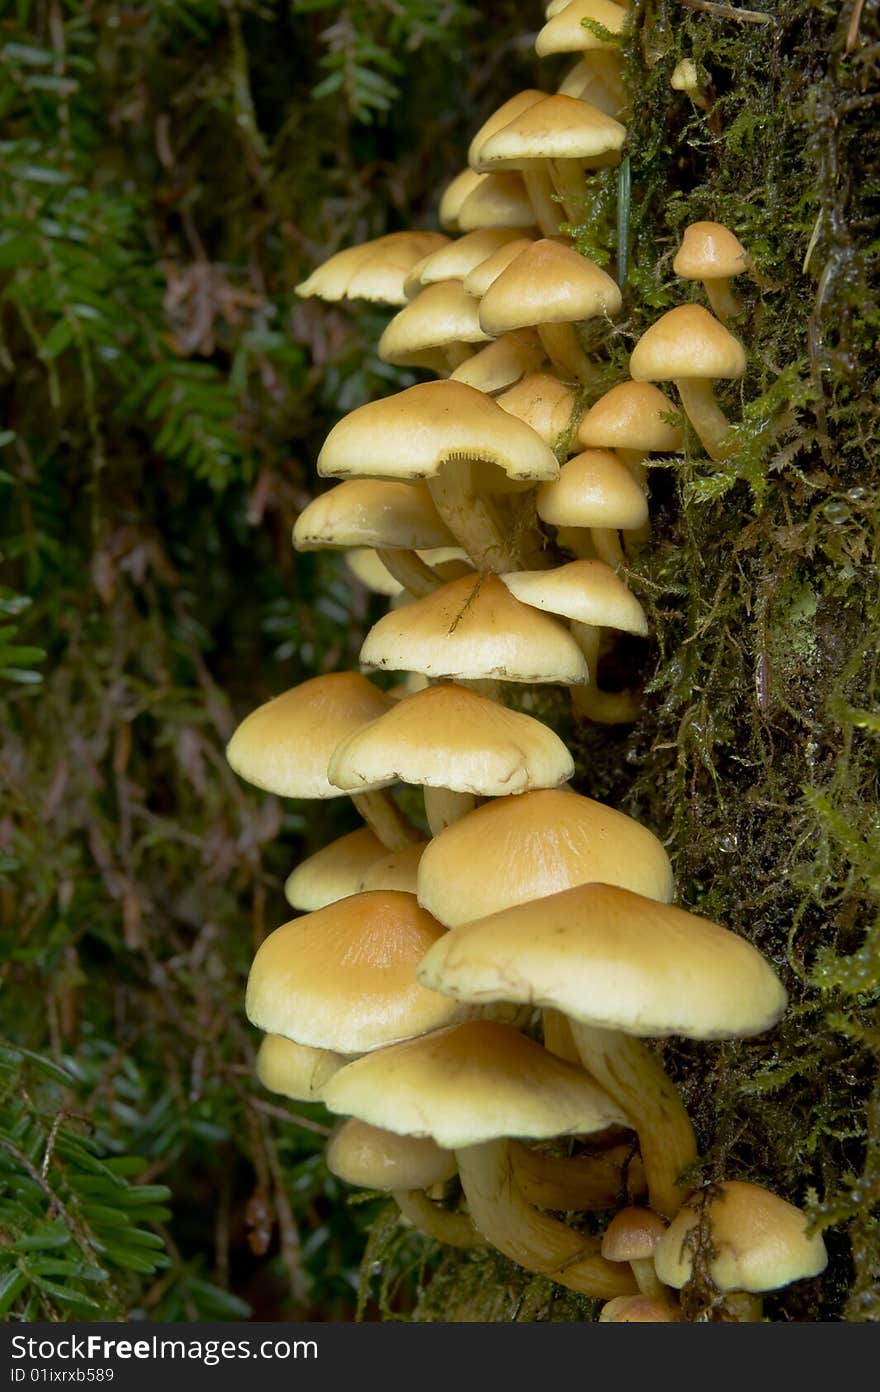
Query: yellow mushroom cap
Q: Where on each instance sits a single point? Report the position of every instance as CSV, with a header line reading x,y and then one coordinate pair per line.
x,y
457,258
371,513
454,195
473,628
636,1309
631,416
588,591
686,342
543,402
334,872
710,251
295,1070
451,737
413,433
535,845
565,32
632,1235
470,1083
285,745
376,270
394,869
441,314
512,108
343,977
498,200
759,1241
547,283
371,571
377,1159
594,489
611,958
478,280
503,362
557,127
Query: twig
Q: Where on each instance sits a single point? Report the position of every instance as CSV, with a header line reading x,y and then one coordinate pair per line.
x,y
280,1112
55,1203
729,12
852,33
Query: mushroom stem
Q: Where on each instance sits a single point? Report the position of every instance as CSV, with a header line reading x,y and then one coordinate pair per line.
x,y
471,516
631,1074
634,461
606,545
410,570
571,186
539,187
706,416
721,297
384,817
525,1235
589,702
443,807
455,1229
557,1031
647,1279
458,353
578,1183
563,348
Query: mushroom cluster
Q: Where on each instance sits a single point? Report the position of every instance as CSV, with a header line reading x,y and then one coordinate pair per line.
x,y
459,1021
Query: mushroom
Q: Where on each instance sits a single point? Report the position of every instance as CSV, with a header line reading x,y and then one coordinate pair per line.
x,y
343,978
503,362
440,319
620,966
631,419
690,347
710,253
457,258
595,493
375,270
404,1166
478,280
296,1070
334,872
469,1088
534,173
544,403
685,78
457,745
631,1236
750,1240
456,438
284,746
637,1309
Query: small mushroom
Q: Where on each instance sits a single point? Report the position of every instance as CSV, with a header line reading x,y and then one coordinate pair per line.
x,y
710,253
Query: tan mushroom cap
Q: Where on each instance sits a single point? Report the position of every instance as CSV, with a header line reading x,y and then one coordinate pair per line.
x,y
471,629
613,959
454,195
588,591
295,1070
636,1309
686,342
334,872
594,489
631,416
632,1235
498,200
547,284
557,127
377,1159
455,260
710,251
543,402
565,31
760,1241
394,869
284,746
478,280
598,79
371,513
413,433
535,845
471,1083
371,571
503,362
440,315
451,737
376,270
343,977
512,108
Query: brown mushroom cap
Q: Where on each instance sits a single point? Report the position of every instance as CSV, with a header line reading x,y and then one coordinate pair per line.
x,y
614,959
471,629
343,977
295,1070
498,200
759,1241
543,402
512,108
557,127
377,1159
589,592
636,1309
534,845
470,1083
450,737
631,416
632,1235
710,251
478,280
547,283
457,258
334,872
686,342
440,315
285,745
413,433
503,362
